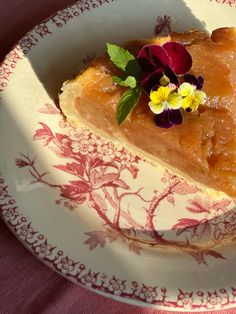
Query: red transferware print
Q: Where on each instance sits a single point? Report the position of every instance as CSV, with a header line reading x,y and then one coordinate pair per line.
x,y
163,25
231,3
76,271
97,170
8,66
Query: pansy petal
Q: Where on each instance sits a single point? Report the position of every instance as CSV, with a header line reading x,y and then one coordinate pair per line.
x,y
147,65
186,89
162,120
201,97
190,103
175,101
181,60
155,97
168,118
157,108
198,82
175,116
151,56
163,92
186,103
152,80
171,75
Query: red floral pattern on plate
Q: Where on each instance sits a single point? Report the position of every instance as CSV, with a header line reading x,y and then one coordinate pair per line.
x,y
96,167
77,272
231,3
163,25
8,66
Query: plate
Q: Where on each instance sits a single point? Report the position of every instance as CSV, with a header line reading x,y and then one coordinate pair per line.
x,y
101,217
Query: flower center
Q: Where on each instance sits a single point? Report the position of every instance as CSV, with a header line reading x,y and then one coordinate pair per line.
x,y
164,80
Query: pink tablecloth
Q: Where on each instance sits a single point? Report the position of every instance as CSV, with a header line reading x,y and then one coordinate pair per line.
x,y
26,284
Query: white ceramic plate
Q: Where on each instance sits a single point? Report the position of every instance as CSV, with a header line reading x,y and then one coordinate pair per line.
x,y
97,215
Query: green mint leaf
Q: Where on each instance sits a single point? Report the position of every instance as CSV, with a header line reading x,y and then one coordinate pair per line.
x,y
127,102
119,56
133,69
130,81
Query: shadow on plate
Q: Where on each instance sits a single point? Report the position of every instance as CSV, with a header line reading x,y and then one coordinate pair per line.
x,y
58,58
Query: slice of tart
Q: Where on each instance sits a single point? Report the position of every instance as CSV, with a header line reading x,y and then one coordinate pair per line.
x,y
203,147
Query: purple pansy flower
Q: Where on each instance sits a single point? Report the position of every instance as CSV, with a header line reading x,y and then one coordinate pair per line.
x,y
171,59
162,65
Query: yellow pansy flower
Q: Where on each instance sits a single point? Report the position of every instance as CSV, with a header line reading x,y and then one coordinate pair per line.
x,y
164,98
192,97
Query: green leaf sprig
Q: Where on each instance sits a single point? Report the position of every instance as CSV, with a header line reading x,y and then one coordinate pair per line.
x,y
125,61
